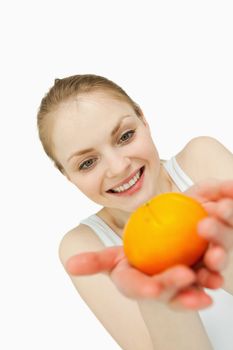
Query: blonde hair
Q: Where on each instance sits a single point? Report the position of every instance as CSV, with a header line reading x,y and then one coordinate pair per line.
x,y
65,89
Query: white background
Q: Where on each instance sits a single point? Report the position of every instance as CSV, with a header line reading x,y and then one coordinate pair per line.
x,y
173,57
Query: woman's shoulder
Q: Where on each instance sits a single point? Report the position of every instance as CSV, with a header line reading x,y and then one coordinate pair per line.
x,y
79,239
205,157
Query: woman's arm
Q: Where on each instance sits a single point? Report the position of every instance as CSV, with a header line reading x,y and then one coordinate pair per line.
x,y
134,324
173,330
119,315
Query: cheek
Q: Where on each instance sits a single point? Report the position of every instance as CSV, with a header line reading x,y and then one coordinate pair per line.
x,y
145,147
89,185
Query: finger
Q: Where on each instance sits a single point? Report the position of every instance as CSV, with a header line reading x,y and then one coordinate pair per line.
x,y
209,279
134,283
211,190
226,188
211,208
214,189
217,232
192,298
222,209
93,262
215,258
203,190
174,279
225,211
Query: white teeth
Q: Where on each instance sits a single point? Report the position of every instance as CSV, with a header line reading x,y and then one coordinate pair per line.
x,y
127,185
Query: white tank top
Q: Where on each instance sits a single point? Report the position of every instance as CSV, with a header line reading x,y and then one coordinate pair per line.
x,y
217,319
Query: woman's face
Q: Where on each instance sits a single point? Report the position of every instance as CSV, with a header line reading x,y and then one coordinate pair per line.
x,y
100,142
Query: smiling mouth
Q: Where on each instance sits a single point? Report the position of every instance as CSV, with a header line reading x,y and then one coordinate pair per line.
x,y
141,170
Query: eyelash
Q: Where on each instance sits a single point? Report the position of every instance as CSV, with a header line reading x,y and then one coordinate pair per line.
x,y
132,132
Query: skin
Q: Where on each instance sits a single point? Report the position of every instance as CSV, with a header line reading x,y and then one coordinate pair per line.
x,y
75,128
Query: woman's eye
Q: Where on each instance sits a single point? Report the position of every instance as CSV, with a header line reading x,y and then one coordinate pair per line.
x,y
124,138
87,164
127,135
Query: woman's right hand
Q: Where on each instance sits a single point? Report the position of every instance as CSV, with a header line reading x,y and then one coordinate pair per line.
x,y
179,287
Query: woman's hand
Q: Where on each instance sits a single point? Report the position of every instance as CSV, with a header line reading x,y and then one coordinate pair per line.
x,y
217,198
176,286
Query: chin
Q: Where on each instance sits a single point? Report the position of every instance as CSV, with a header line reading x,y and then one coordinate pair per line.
x,y
137,204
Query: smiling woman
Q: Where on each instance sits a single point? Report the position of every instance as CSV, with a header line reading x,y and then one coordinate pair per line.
x,y
98,137
106,159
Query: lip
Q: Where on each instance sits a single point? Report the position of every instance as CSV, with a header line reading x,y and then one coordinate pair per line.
x,y
126,180
132,190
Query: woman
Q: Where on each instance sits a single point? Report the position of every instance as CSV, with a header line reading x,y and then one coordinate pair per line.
x,y
98,137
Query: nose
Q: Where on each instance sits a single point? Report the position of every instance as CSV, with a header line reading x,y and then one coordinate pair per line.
x,y
117,164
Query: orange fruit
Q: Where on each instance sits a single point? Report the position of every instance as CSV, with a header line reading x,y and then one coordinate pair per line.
x,y
163,232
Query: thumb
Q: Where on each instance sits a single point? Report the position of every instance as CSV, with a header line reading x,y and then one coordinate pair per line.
x,y
89,263
204,192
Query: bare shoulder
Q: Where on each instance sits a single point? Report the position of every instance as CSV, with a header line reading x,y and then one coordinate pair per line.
x,y
79,239
205,157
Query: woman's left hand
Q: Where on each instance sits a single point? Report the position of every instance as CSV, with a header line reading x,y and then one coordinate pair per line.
x,y
216,196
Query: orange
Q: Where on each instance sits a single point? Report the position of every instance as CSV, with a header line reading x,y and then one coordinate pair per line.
x,y
163,232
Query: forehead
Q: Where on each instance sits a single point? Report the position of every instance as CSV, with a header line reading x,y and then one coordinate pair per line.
x,y
84,121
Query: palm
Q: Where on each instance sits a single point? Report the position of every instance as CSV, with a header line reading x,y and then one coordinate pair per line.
x,y
176,285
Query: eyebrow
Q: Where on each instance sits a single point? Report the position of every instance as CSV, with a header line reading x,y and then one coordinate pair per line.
x,y
114,131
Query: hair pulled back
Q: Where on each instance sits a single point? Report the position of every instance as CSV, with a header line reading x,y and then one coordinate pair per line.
x,y
68,88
